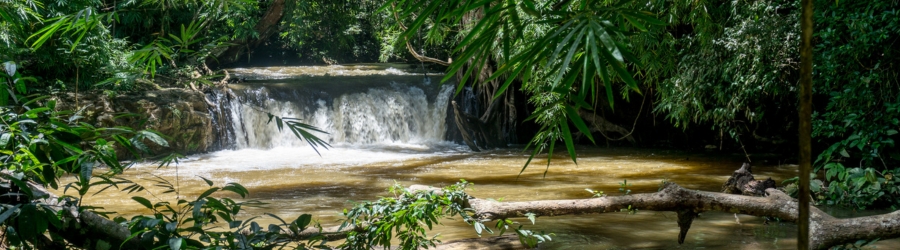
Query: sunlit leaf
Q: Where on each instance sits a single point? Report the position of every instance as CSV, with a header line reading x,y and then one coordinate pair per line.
x,y
143,201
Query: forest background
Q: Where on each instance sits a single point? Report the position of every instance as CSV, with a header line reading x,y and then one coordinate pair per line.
x,y
719,73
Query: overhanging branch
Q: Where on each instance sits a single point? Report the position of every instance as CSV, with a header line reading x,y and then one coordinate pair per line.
x,y
825,230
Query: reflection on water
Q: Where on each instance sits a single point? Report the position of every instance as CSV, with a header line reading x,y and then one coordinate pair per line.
x,y
292,181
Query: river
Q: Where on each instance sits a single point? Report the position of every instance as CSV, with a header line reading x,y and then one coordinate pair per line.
x,y
392,131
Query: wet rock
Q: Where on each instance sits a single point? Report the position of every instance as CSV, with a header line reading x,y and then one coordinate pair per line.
x,y
182,116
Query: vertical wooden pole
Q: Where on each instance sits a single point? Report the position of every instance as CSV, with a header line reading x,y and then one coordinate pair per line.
x,y
806,26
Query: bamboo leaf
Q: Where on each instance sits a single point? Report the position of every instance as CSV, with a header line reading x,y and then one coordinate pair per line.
x,y
567,138
635,23
208,182
143,201
572,50
549,156
207,193
579,123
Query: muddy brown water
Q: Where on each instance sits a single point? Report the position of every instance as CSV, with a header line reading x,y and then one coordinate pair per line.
x,y
293,181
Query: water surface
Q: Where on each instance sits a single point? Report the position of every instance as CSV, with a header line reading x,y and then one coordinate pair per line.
x,y
292,181
388,122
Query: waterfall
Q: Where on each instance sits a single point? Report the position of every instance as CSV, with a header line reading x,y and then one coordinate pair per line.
x,y
355,110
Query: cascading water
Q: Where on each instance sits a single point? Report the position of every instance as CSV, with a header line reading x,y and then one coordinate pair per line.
x,y
356,106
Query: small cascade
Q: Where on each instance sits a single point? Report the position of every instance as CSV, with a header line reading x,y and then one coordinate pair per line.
x,y
355,110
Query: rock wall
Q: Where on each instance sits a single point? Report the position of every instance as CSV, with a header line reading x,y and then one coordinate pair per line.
x,y
182,116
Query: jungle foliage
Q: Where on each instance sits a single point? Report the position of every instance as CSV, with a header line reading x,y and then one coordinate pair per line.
x,y
410,213
567,54
730,66
334,31
858,71
38,144
116,44
739,77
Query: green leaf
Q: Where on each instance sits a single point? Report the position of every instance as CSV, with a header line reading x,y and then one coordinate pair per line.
x,y
579,123
237,189
567,138
208,182
645,16
86,170
815,186
549,157
175,243
635,23
8,212
207,193
143,201
303,221
33,112
4,139
508,81
134,234
31,222
279,123
154,137
572,49
48,31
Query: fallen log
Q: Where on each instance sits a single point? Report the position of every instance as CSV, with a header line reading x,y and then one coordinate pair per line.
x,y
826,231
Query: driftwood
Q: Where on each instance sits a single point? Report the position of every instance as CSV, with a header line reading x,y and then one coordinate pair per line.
x,y
742,182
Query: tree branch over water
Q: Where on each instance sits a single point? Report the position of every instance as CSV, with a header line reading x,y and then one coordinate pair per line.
x,y
826,231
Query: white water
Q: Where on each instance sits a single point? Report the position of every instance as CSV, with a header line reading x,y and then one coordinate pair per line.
x,y
289,72
387,111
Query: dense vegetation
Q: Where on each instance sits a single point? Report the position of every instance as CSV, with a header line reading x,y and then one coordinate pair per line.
x,y
730,67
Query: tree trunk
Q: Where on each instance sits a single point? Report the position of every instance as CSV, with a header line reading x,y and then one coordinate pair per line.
x,y
805,224
825,230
